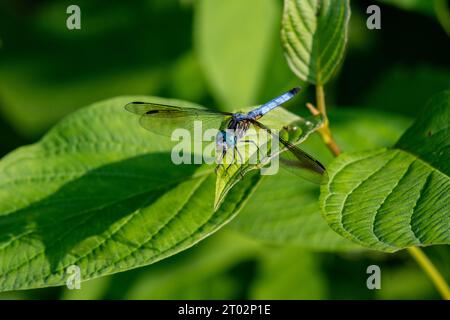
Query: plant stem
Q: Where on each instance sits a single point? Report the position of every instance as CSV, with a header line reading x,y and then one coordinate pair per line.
x,y
428,267
422,260
325,129
320,97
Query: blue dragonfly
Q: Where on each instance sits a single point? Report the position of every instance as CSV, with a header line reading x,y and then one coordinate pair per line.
x,y
162,119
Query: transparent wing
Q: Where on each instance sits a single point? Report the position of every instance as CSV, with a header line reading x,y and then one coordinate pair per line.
x,y
303,163
164,119
296,159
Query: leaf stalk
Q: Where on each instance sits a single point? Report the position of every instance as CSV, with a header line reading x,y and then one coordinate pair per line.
x,y
324,130
429,268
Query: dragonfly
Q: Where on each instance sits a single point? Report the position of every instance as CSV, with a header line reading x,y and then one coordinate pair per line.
x,y
162,119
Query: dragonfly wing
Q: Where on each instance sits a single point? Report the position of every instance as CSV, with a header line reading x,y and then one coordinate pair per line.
x,y
164,119
297,160
302,163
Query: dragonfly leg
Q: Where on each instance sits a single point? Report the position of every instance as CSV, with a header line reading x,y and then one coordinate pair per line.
x,y
242,162
240,156
232,159
216,170
221,164
220,159
257,147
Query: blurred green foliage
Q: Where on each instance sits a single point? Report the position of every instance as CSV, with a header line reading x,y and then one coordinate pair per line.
x,y
226,55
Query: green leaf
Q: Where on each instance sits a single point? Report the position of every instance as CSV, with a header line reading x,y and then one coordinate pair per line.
x,y
314,35
196,273
390,199
428,138
233,41
291,212
100,192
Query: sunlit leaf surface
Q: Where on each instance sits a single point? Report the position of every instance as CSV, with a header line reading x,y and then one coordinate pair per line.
x,y
314,35
389,199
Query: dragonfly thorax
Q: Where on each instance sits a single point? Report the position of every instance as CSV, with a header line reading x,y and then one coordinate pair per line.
x,y
238,125
240,116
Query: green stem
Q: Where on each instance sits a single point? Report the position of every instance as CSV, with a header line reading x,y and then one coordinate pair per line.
x,y
320,97
325,129
422,260
429,268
